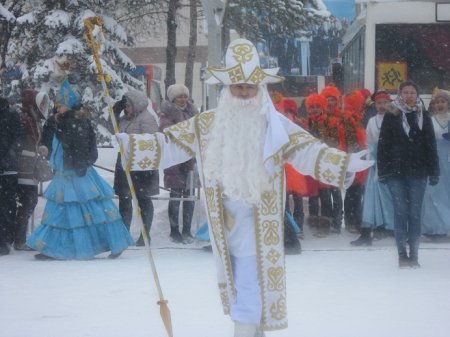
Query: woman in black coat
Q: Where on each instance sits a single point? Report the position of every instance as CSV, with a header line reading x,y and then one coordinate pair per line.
x,y
406,159
80,219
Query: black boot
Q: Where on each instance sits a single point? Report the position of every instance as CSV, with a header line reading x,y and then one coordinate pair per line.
x,y
4,249
140,241
403,260
43,257
414,262
176,236
365,238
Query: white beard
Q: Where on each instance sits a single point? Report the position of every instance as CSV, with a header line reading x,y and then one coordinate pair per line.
x,y
234,153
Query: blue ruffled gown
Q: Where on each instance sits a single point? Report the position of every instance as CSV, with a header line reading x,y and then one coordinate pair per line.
x,y
436,200
378,209
80,219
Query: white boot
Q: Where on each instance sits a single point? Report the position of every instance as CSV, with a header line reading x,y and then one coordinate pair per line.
x,y
247,330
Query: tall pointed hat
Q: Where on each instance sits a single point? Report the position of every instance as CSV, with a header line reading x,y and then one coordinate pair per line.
x,y
242,66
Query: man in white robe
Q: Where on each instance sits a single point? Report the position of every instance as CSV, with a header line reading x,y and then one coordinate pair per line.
x,y
241,148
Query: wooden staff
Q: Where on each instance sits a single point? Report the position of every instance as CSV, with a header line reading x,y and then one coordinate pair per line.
x,y
90,24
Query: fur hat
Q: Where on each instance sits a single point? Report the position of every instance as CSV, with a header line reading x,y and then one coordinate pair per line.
x,y
176,90
354,101
365,92
441,93
290,105
242,66
331,91
137,99
316,99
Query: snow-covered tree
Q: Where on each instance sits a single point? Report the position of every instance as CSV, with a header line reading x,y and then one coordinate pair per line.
x,y
281,18
48,43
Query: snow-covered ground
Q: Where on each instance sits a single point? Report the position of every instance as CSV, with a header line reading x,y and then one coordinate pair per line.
x,y
333,290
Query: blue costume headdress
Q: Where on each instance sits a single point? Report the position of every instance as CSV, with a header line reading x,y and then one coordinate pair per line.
x,y
67,96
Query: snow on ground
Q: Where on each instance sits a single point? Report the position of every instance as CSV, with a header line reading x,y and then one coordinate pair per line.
x,y
333,290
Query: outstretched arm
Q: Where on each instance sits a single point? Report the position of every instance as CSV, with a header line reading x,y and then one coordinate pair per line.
x,y
311,157
151,151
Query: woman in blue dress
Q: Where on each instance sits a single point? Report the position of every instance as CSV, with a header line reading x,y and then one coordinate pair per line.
x,y
378,212
436,206
80,219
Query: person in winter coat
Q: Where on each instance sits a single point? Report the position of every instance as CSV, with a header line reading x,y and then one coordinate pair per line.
x,y
80,220
406,158
35,107
136,119
10,131
175,110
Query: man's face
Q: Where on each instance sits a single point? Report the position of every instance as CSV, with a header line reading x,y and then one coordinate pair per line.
x,y
244,90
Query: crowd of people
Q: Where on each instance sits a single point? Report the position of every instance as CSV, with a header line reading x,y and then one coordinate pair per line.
x,y
252,162
406,193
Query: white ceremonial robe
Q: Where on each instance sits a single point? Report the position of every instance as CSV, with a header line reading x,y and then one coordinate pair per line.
x,y
284,142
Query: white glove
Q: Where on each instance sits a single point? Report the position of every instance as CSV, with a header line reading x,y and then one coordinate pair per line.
x,y
357,164
120,138
124,139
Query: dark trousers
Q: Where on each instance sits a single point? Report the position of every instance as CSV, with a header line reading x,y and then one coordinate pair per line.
x,y
8,207
126,210
174,210
353,206
27,198
325,203
337,208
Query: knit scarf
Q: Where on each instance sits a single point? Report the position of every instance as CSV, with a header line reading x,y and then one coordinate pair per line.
x,y
401,105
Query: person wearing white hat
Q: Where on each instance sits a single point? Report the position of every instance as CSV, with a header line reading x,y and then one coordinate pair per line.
x,y
240,148
176,109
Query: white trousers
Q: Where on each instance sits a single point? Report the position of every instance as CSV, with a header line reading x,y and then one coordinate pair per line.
x,y
247,306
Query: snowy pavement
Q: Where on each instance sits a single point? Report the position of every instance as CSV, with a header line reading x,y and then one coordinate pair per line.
x,y
333,290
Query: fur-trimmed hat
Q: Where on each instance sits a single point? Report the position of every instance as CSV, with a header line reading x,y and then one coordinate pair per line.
x,y
242,66
290,105
354,101
176,90
440,93
137,99
316,99
331,91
